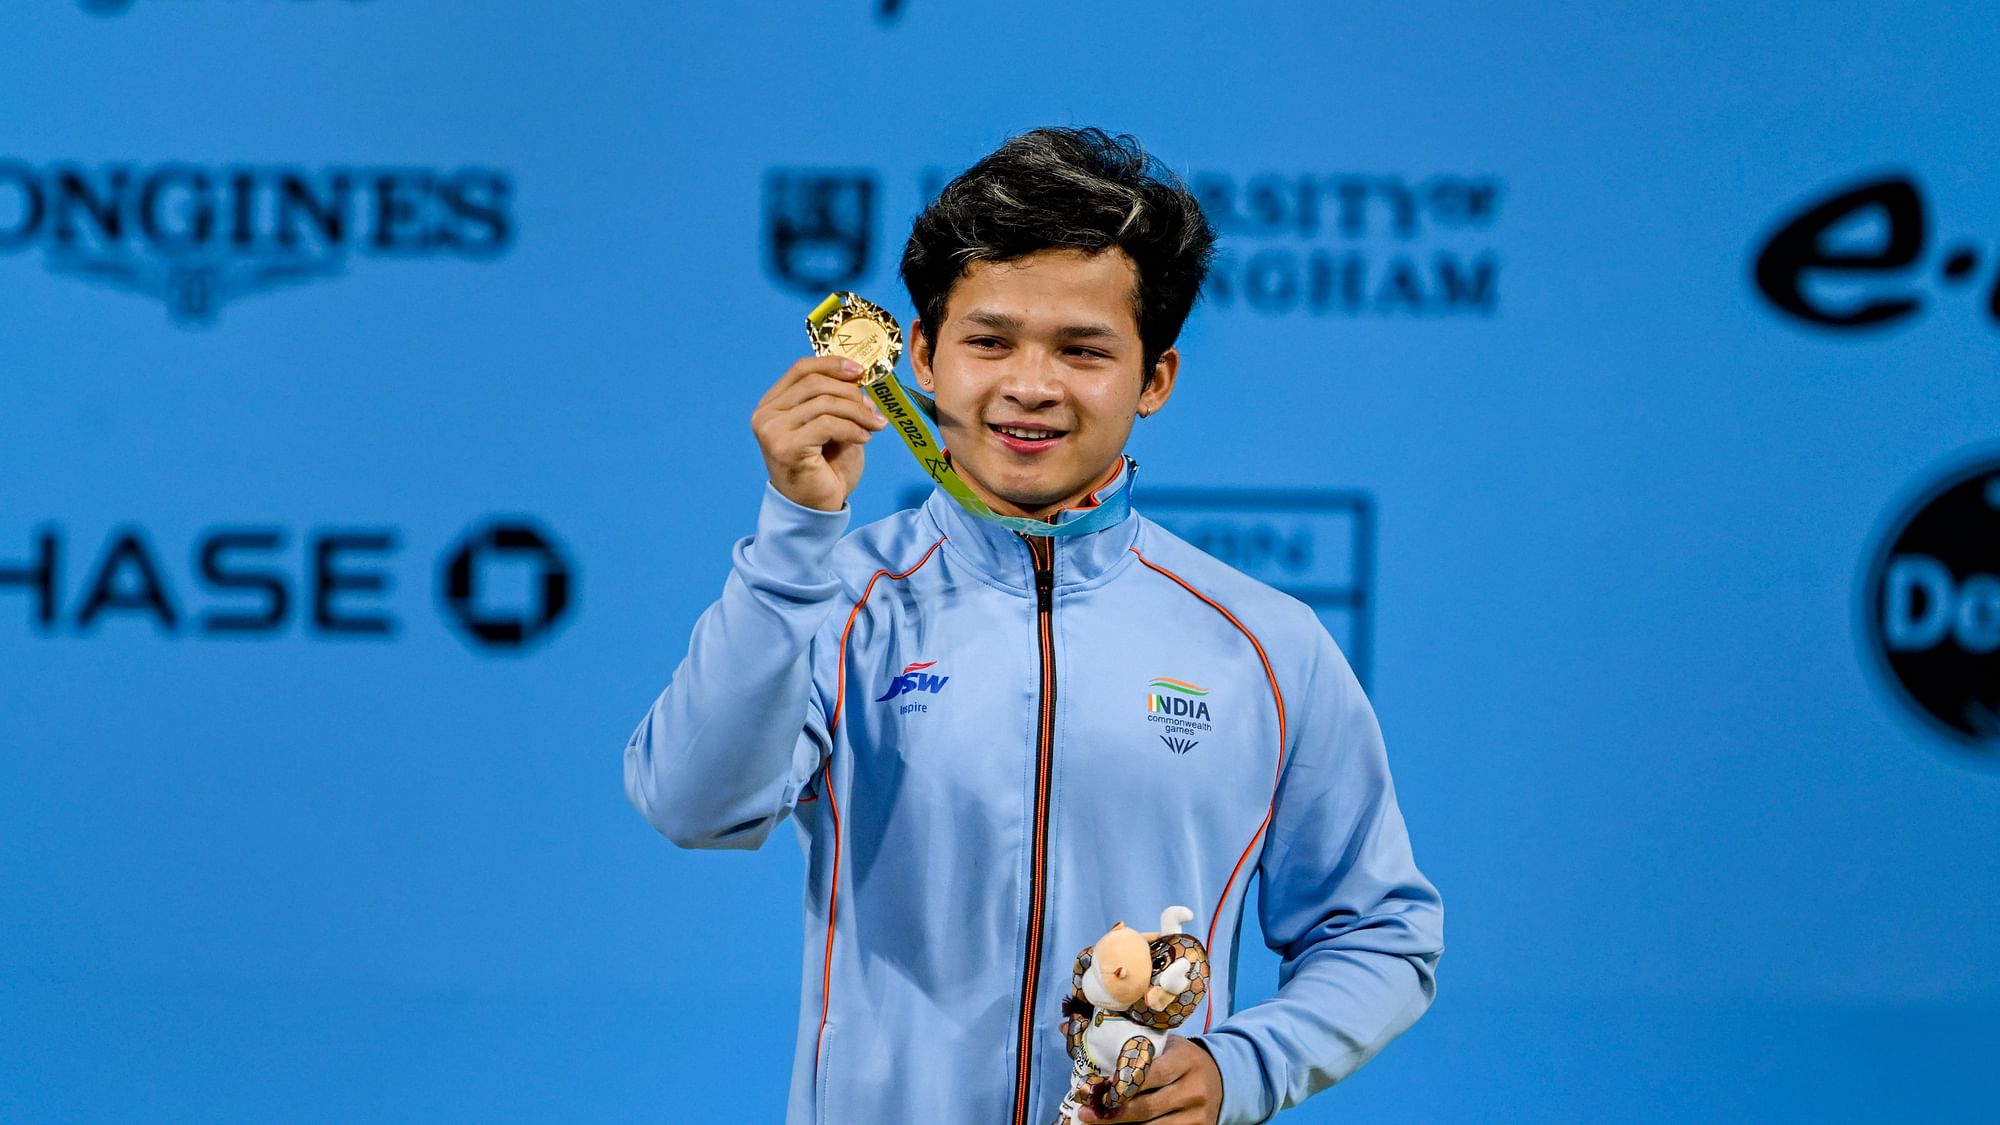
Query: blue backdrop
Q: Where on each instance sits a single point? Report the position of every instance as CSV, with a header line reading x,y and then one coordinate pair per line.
x,y
354,503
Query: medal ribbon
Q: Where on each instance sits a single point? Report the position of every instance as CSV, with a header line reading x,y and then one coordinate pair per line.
x,y
906,412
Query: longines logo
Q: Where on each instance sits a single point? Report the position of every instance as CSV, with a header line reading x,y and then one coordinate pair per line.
x,y
1338,245
1931,607
504,584
1858,256
197,237
120,7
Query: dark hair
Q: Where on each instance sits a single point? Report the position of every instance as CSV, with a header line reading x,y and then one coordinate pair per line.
x,y
1078,189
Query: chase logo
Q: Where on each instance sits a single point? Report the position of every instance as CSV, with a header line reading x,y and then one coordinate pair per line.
x,y
467,579
505,584
1931,608
913,678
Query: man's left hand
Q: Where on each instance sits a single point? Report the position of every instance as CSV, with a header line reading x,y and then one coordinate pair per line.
x,y
1183,1087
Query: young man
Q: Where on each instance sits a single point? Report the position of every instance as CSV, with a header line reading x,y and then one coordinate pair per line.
x,y
969,726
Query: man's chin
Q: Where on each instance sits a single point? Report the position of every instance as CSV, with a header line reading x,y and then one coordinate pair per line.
x,y
1031,496
1031,503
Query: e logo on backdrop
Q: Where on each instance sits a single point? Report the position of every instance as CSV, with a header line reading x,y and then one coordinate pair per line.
x,y
1855,260
1852,259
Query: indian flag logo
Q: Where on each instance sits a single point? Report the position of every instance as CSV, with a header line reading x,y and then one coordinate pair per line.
x,y
1172,697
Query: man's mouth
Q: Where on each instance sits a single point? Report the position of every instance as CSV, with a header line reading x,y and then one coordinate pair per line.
x,y
1026,438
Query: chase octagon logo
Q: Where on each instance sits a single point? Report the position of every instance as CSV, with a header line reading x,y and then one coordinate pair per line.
x,y
1930,607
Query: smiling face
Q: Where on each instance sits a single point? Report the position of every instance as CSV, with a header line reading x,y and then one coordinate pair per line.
x,y
1037,368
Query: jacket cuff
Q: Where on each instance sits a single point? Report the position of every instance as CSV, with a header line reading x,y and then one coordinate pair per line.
x,y
792,549
1245,1101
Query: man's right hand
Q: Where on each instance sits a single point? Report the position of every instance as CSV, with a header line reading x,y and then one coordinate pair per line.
x,y
811,426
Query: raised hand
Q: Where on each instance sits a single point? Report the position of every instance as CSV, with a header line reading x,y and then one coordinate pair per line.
x,y
811,426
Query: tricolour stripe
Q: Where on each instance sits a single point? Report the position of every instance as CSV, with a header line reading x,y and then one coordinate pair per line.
x,y
833,804
1278,698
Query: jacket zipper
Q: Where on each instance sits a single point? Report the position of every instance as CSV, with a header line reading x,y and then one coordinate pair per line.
x,y
1041,551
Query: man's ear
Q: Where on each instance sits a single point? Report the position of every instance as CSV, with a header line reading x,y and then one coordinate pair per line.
x,y
1161,385
920,357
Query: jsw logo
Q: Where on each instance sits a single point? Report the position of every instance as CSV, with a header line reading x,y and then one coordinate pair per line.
x,y
913,679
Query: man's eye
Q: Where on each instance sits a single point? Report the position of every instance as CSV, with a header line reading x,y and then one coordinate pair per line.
x,y
1089,353
983,342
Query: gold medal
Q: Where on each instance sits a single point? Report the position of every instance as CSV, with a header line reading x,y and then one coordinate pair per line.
x,y
853,328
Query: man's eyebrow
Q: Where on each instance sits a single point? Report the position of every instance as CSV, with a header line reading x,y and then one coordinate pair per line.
x,y
1086,332
995,320
1001,322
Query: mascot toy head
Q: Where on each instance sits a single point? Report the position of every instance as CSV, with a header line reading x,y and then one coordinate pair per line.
x,y
1121,969
1156,979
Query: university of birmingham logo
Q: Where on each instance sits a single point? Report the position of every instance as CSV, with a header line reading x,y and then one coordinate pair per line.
x,y
197,237
819,227
914,679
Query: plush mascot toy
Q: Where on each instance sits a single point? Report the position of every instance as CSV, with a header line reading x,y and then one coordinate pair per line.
x,y
1130,988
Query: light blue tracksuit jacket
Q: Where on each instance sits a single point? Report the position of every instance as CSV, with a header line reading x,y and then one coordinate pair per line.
x,y
993,749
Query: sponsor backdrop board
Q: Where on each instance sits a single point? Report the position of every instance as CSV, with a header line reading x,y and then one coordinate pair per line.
x,y
1620,381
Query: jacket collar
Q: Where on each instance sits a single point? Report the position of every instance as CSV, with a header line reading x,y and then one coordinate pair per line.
x,y
1003,556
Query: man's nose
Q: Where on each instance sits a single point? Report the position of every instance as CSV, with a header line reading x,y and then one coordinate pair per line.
x,y
1032,381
